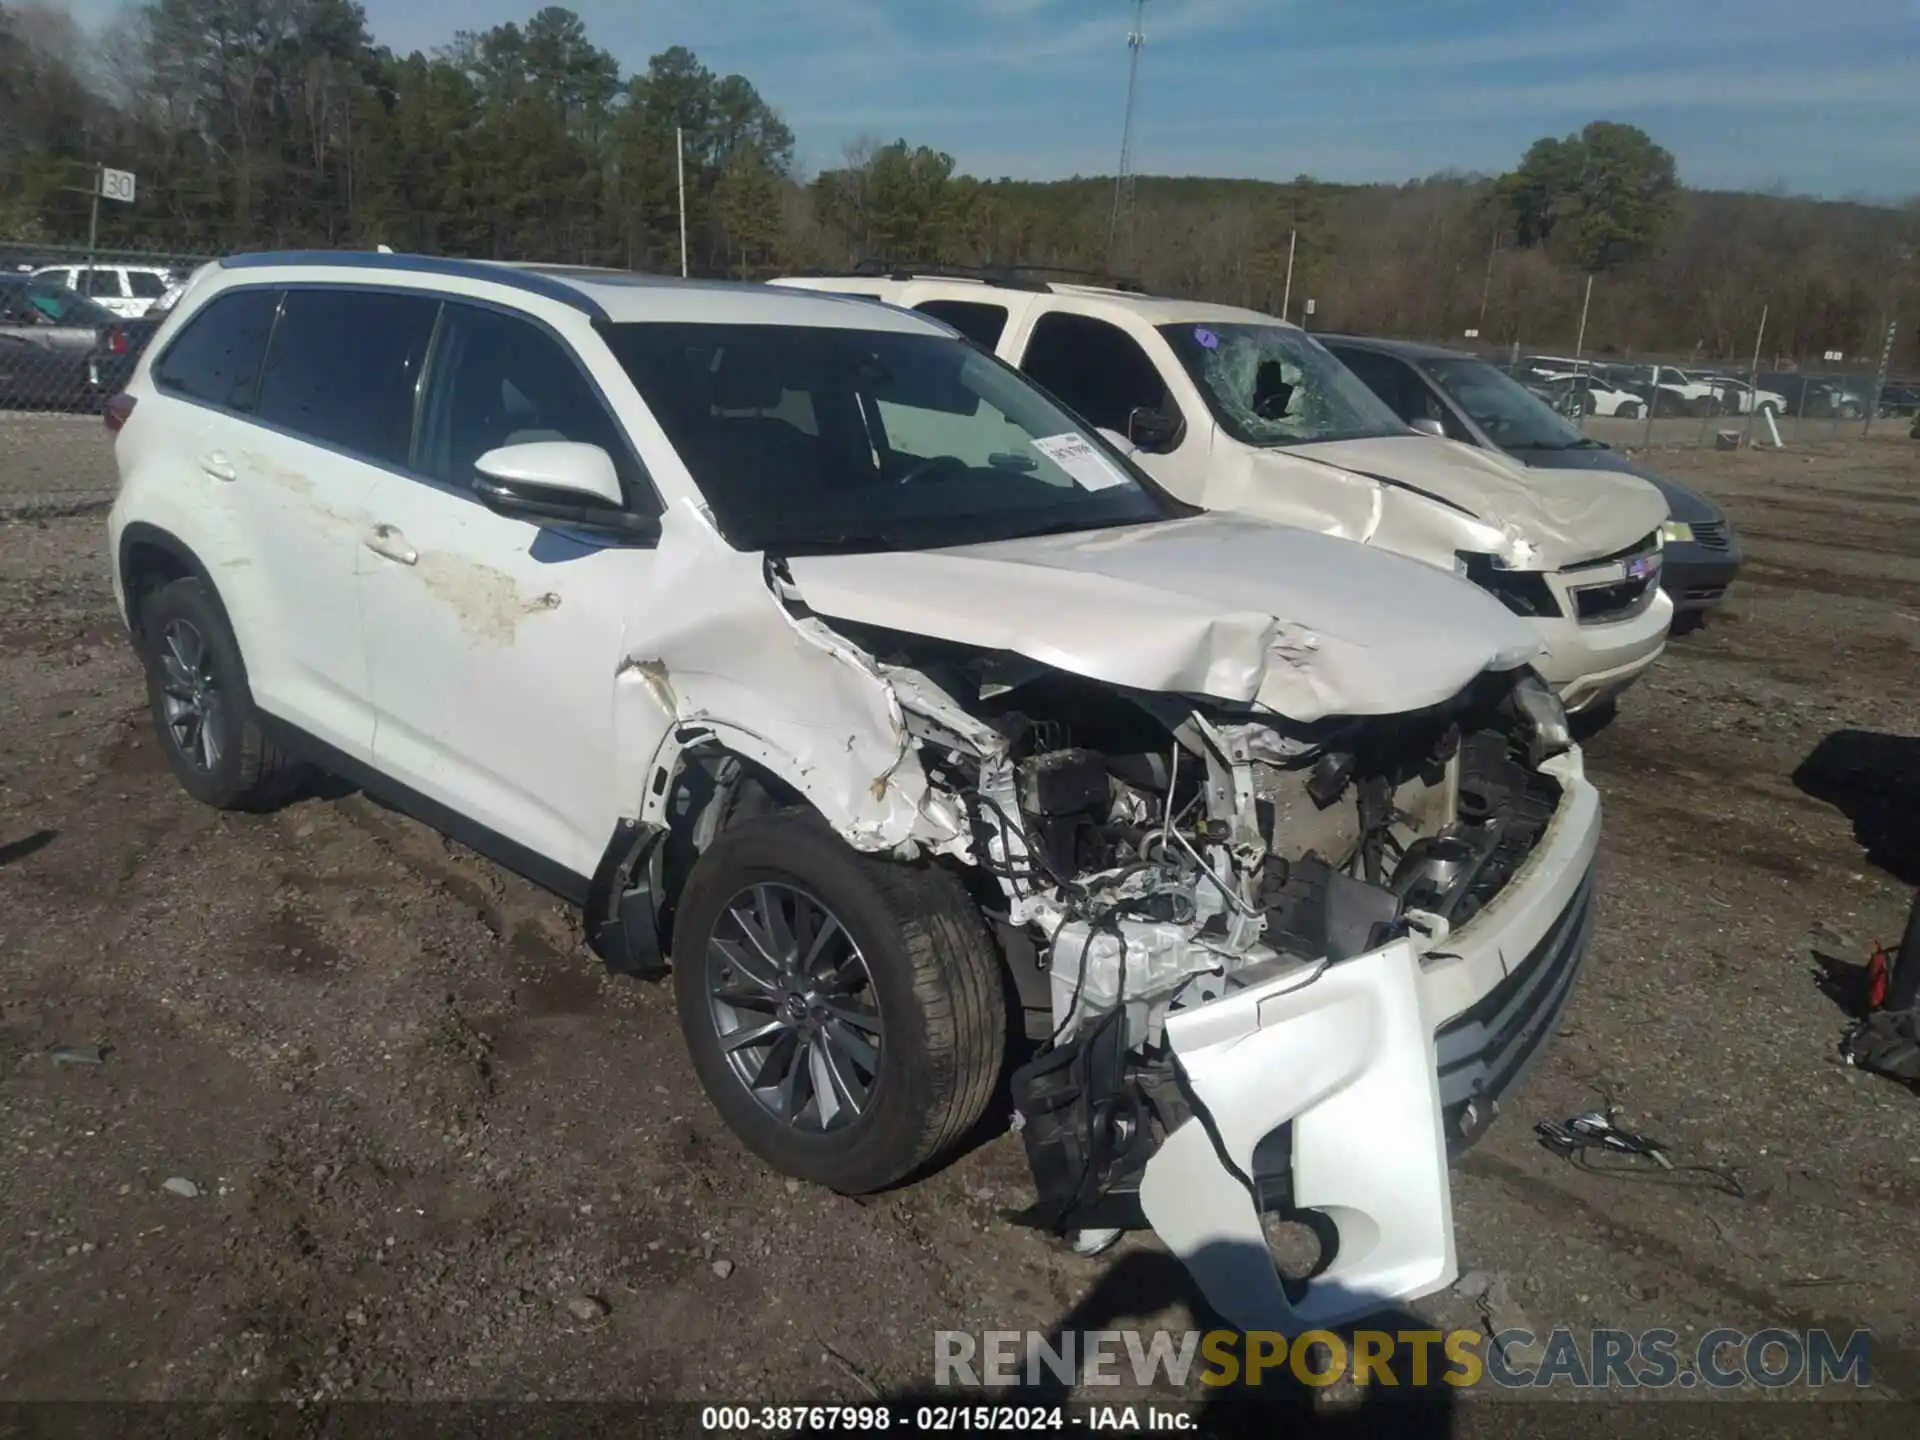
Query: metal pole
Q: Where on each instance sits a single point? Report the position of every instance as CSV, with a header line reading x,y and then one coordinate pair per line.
x,y
1879,379
93,228
1753,382
680,167
1286,298
1486,287
1136,37
1579,345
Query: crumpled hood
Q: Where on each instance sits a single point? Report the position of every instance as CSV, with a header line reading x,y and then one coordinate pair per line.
x,y
1566,518
1217,605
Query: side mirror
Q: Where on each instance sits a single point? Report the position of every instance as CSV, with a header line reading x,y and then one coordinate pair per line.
x,y
1427,425
559,482
1153,430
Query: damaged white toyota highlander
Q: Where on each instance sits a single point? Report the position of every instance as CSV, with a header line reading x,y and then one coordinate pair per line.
x,y
898,758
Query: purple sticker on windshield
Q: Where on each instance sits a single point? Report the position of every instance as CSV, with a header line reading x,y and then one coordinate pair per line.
x,y
1208,340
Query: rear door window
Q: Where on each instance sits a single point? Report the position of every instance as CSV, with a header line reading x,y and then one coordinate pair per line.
x,y
342,368
145,285
216,358
102,284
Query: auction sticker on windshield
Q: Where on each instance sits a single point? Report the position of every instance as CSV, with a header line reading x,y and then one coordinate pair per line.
x,y
1089,468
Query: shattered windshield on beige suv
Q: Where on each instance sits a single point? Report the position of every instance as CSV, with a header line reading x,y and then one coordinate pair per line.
x,y
1275,385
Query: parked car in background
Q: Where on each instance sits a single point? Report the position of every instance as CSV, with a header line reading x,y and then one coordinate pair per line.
x,y
1231,409
801,641
1818,397
128,291
1667,388
1899,399
57,347
1477,404
1738,397
1587,395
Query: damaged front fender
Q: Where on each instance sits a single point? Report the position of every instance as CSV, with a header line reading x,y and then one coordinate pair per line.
x,y
710,645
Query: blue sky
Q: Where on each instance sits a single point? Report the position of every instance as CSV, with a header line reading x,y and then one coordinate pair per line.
x,y
1814,96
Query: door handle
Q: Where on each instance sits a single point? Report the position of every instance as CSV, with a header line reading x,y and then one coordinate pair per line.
x,y
217,465
386,540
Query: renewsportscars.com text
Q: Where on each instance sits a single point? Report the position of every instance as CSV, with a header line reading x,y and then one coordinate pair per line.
x,y
1722,1359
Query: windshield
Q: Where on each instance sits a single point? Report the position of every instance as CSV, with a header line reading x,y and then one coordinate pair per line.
x,y
65,307
1513,416
1275,385
805,438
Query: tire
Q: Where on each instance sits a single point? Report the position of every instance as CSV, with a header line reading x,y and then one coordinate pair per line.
x,y
1595,718
202,710
1628,411
932,984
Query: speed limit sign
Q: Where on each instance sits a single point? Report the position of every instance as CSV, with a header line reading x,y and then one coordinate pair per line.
x,y
117,185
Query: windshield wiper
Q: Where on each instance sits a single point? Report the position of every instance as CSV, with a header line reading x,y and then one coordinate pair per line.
x,y
787,542
1583,443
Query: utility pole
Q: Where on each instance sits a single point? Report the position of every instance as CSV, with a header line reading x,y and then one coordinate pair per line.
x,y
1486,286
93,225
1286,296
1871,403
1580,336
1123,179
1583,379
680,169
1753,381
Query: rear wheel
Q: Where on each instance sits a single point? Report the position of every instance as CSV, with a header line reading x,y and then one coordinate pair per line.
x,y
844,1013
1628,411
202,709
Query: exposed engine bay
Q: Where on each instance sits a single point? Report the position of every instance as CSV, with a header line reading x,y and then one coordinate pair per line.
x,y
1158,854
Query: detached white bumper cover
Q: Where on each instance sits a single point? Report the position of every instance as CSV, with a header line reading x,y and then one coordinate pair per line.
x,y
1349,1056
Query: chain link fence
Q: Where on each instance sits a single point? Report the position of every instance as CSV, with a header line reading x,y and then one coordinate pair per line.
x,y
73,321
1658,401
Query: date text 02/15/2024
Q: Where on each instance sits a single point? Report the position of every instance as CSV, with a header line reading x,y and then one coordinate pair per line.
x,y
908,1418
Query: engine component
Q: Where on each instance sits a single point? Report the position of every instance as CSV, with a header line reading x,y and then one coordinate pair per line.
x,y
1062,793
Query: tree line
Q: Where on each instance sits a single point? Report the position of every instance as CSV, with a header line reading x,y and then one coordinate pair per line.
x,y
278,123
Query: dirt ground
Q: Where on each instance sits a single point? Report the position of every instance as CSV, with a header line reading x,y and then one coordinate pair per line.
x,y
439,1153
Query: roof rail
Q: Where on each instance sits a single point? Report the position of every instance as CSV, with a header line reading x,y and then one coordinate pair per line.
x,y
498,272
1010,277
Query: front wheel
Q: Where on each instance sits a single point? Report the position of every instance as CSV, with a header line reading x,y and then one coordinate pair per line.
x,y
844,1013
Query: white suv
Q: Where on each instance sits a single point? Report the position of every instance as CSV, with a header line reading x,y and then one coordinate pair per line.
x,y
641,588
1236,410
129,291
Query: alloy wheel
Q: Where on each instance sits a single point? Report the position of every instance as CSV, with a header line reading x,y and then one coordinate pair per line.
x,y
190,696
793,1004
